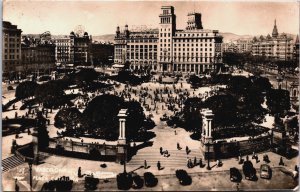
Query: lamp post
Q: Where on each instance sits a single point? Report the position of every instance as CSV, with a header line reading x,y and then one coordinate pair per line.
x,y
30,174
208,166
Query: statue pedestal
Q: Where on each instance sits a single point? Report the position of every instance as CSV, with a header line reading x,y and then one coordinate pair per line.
x,y
121,152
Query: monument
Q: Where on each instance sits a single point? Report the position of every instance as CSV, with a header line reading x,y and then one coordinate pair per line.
x,y
206,136
122,144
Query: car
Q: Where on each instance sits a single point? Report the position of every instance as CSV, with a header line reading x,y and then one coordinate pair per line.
x,y
150,179
235,175
249,171
265,171
183,177
138,182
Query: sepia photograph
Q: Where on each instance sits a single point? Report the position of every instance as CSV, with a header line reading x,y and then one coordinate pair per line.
x,y
111,95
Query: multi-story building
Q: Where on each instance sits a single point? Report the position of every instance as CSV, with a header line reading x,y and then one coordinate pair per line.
x,y
296,50
229,47
192,50
81,48
244,45
11,48
63,49
38,54
278,47
74,49
102,53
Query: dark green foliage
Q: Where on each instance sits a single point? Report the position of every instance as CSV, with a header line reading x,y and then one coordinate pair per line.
x,y
278,101
26,89
195,81
191,114
43,137
239,84
51,93
67,117
224,107
100,117
85,76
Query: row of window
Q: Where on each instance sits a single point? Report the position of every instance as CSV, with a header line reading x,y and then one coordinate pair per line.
x,y
191,34
11,50
192,49
142,41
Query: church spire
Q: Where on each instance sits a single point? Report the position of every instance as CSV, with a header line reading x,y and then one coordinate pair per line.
x,y
275,31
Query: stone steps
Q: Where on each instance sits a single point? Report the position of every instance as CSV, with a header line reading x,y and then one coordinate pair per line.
x,y
11,162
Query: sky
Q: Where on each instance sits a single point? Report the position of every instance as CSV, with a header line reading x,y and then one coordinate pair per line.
x,y
102,17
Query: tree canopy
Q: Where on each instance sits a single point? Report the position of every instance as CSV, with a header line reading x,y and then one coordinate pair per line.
x,y
278,101
26,89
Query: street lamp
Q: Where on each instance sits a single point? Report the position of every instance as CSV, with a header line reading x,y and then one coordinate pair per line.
x,y
208,166
30,174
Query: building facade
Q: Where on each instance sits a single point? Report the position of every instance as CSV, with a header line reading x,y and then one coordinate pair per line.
x,y
74,49
102,54
296,50
38,54
63,49
167,49
278,46
11,48
244,45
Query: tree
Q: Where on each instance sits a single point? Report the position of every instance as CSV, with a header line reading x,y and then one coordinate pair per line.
x,y
278,101
224,107
51,94
194,81
100,116
43,137
26,89
84,77
191,114
67,117
239,84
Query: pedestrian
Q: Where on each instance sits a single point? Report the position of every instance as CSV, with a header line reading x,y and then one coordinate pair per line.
x,y
187,150
200,163
79,172
145,164
158,165
195,161
175,132
281,161
161,150
17,188
178,146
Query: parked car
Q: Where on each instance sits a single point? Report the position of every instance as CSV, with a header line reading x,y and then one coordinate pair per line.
x,y
183,177
249,171
138,182
91,183
265,171
235,175
150,179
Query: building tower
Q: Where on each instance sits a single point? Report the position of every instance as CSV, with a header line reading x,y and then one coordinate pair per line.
x,y
167,28
275,31
194,21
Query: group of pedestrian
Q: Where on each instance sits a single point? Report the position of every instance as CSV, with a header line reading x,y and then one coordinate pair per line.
x,y
164,153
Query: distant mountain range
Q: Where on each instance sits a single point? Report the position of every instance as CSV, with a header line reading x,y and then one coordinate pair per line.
x,y
227,37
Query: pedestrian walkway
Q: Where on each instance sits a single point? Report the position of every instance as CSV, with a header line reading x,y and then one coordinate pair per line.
x,y
11,162
176,158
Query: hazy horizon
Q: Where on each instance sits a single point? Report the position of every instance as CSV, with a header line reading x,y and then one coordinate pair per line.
x,y
102,17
